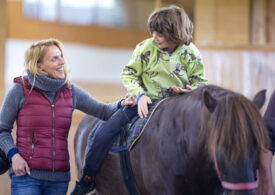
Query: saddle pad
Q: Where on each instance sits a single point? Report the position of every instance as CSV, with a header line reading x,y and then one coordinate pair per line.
x,y
133,131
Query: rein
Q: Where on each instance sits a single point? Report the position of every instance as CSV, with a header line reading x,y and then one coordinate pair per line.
x,y
233,186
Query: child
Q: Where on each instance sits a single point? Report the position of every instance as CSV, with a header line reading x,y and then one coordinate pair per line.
x,y
167,62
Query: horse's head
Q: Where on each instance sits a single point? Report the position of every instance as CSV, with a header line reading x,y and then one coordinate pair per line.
x,y
236,135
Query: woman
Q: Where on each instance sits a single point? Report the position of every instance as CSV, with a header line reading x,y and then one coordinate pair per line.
x,y
42,103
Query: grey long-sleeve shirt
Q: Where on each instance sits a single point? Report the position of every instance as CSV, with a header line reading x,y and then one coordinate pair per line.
x,y
14,101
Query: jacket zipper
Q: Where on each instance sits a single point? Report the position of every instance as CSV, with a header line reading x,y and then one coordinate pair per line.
x,y
53,130
53,134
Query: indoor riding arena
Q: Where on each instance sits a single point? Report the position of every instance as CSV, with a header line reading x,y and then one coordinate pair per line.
x,y
236,39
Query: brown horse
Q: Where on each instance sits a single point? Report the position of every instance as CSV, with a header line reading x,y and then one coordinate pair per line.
x,y
206,141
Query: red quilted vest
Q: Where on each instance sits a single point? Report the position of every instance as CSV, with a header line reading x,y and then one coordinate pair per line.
x,y
42,128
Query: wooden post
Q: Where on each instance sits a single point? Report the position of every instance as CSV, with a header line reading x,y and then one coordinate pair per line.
x,y
158,3
3,38
271,21
258,22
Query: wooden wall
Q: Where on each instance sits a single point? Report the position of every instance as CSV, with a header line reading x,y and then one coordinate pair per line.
x,y
224,31
234,22
263,22
217,22
222,22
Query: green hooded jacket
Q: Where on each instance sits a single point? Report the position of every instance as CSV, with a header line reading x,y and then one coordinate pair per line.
x,y
153,71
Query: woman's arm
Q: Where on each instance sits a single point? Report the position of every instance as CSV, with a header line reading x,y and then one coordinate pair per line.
x,y
83,101
12,103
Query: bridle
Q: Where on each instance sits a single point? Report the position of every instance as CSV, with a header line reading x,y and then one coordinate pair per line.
x,y
230,185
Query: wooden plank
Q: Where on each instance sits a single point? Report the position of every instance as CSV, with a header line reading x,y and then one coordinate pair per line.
x,y
3,37
258,22
158,3
4,179
271,22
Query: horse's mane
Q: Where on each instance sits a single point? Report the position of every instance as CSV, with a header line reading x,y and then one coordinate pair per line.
x,y
235,125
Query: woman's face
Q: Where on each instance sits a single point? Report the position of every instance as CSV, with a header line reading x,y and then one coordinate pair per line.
x,y
53,63
163,43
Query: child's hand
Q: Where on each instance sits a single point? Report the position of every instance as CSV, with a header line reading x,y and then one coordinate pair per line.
x,y
177,89
129,101
143,106
189,87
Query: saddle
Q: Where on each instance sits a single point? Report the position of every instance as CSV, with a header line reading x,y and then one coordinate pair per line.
x,y
133,130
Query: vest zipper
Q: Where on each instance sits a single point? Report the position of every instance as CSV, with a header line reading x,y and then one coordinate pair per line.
x,y
53,134
53,131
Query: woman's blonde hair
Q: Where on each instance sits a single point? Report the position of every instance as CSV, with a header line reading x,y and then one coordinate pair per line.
x,y
173,23
35,54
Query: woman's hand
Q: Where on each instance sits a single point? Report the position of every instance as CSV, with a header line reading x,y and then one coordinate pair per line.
x,y
129,101
143,106
19,165
177,89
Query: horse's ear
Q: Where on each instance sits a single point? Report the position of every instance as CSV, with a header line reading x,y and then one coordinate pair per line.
x,y
259,99
209,101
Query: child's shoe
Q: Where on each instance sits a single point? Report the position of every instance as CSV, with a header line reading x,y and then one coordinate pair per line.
x,y
81,189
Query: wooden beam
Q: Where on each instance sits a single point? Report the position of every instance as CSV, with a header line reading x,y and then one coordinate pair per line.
x,y
258,22
158,3
3,38
271,21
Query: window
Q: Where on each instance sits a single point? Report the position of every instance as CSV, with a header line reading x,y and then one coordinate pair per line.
x,y
83,12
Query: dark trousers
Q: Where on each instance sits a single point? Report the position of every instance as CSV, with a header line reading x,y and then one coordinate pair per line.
x,y
104,137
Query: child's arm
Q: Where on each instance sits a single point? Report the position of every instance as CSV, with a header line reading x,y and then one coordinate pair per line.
x,y
194,66
196,73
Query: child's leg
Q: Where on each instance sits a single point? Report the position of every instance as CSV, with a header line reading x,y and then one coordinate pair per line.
x,y
103,140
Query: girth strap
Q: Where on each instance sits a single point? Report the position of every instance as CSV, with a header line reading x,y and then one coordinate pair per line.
x,y
126,168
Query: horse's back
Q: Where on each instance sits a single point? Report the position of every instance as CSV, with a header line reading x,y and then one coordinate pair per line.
x,y
109,178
